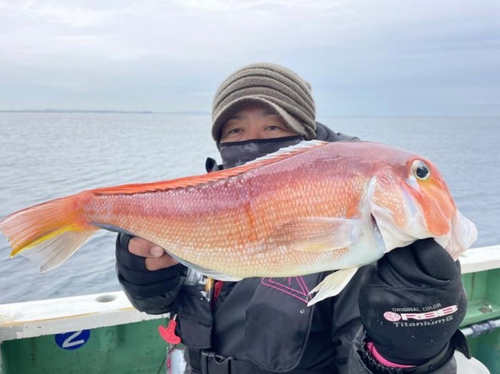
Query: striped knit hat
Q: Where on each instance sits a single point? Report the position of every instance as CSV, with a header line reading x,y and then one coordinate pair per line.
x,y
269,85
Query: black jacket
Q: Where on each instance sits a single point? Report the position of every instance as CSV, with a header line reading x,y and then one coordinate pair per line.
x,y
264,325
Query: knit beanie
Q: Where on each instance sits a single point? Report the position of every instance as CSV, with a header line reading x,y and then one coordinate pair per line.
x,y
269,85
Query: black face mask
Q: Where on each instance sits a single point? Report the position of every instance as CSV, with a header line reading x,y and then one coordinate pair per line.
x,y
239,153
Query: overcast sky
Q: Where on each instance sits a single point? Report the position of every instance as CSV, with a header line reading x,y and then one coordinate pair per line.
x,y
363,58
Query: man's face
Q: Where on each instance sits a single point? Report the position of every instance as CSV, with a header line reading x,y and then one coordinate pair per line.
x,y
254,123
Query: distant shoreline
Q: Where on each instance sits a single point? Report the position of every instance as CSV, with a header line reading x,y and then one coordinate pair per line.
x,y
98,111
206,113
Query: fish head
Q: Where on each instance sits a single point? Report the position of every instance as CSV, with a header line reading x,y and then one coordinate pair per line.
x,y
410,200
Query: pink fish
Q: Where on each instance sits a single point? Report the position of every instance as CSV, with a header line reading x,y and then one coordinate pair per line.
x,y
308,208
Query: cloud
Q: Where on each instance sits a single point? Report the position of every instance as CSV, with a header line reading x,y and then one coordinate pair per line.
x,y
139,50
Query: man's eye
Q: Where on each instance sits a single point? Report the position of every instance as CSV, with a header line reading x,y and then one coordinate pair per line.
x,y
273,127
234,131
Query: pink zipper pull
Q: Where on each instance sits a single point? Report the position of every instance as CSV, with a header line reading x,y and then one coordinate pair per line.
x,y
168,333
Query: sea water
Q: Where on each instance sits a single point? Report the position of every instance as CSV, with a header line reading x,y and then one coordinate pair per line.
x,y
48,155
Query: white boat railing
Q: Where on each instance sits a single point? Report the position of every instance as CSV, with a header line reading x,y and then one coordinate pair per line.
x,y
47,317
480,259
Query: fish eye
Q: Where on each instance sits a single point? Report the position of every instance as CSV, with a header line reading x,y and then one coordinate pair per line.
x,y
420,170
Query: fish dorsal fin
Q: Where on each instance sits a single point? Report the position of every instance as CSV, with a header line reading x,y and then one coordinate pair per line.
x,y
215,176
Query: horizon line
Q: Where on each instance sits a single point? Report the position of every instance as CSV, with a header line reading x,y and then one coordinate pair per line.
x,y
199,112
98,111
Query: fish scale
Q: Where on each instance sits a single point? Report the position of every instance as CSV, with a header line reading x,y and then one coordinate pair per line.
x,y
252,198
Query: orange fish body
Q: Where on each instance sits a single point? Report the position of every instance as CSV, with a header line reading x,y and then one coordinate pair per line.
x,y
309,208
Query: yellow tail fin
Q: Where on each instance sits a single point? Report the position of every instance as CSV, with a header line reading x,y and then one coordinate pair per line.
x,y
48,233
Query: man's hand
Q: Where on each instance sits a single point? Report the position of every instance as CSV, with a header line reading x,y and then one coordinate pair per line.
x,y
144,269
412,302
150,277
155,257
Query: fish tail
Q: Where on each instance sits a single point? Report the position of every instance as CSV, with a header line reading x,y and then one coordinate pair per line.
x,y
49,233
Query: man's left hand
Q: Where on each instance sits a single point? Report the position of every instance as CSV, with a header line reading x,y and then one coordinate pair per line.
x,y
412,302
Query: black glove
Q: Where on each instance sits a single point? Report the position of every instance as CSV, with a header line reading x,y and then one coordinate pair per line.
x,y
139,282
412,302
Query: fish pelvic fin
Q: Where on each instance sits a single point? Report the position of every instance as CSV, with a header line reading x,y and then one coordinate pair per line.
x,y
332,285
284,153
49,233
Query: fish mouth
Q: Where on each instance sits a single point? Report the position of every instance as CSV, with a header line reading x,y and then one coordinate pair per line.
x,y
462,235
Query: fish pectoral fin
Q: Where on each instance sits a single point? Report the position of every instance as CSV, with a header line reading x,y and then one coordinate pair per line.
x,y
319,234
332,285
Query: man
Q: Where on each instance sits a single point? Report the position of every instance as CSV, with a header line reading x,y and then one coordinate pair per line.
x,y
376,324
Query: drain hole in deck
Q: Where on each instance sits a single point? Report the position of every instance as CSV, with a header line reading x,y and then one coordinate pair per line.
x,y
105,298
